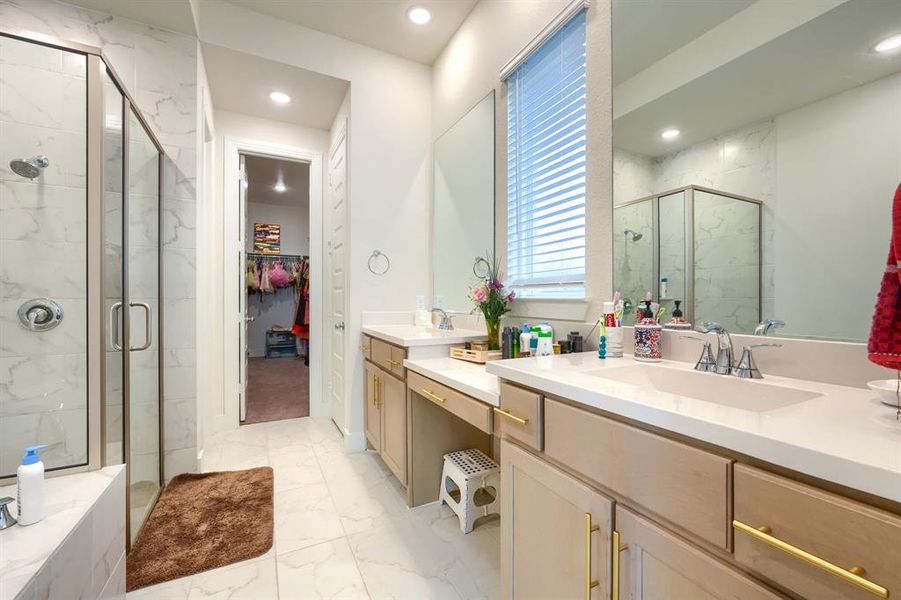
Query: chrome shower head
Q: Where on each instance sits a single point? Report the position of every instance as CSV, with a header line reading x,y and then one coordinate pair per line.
x,y
29,168
635,235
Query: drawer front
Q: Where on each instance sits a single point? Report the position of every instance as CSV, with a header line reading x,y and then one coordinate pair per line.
x,y
388,356
366,347
469,409
838,535
684,485
520,415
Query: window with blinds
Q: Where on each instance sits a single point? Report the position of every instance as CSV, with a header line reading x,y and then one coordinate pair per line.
x,y
546,167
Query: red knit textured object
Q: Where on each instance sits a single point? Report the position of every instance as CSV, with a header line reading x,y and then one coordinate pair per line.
x,y
885,335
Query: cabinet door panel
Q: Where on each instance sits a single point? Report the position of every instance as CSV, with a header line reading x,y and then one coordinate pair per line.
x,y
393,404
373,415
546,531
656,565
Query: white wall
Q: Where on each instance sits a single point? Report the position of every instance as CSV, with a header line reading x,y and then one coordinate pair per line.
x,y
389,159
468,67
838,164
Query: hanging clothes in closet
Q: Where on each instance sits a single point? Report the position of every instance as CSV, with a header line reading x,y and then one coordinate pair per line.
x,y
301,325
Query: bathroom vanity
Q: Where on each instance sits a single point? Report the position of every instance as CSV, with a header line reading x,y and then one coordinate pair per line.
x,y
422,404
628,480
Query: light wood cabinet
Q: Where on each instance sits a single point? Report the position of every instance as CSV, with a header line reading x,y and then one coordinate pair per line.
x,y
686,486
555,532
393,406
373,414
812,542
386,418
520,415
656,565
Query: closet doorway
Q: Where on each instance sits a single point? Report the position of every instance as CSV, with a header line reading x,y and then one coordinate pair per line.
x,y
275,201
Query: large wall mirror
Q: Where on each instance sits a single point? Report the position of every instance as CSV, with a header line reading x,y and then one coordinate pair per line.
x,y
757,147
463,216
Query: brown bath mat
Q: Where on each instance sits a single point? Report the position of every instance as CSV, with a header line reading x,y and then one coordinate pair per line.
x,y
203,521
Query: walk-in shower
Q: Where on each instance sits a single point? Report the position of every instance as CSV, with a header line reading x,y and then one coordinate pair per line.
x,y
80,283
704,242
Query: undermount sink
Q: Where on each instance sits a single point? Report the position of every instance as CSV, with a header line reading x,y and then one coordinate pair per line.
x,y
757,396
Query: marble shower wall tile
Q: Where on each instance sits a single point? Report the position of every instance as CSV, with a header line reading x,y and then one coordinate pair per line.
x,y
159,69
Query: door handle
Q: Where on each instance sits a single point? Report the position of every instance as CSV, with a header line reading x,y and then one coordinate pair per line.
x,y
249,319
147,325
614,565
114,311
339,325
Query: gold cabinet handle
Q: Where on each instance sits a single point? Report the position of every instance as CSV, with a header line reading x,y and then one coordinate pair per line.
x,y
589,582
393,363
432,395
852,575
521,420
614,566
375,395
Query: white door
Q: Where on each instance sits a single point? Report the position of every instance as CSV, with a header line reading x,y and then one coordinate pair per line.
x,y
337,273
242,296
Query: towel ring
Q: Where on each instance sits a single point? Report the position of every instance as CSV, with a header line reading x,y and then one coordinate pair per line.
x,y
478,270
374,257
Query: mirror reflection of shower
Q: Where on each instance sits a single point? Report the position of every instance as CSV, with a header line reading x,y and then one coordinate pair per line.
x,y
31,167
635,235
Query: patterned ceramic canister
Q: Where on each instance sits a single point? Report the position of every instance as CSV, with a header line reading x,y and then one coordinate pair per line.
x,y
648,341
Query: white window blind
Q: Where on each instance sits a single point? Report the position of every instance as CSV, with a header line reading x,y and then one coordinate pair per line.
x,y
546,166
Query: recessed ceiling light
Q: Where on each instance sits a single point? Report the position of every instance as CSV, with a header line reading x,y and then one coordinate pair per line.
x,y
279,97
279,187
670,134
889,44
419,15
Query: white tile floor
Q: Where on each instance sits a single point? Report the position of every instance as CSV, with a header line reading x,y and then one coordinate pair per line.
x,y
342,529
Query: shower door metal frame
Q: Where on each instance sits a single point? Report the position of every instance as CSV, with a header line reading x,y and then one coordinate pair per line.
x,y
96,64
689,241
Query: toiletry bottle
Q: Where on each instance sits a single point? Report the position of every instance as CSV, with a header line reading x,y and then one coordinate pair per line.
x,y
30,477
664,282
533,341
544,344
422,317
524,338
507,343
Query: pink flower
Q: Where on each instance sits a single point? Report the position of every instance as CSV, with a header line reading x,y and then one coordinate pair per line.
x,y
511,296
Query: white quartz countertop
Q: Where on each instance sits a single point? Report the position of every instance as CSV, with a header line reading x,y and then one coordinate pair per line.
x,y
844,435
468,378
411,335
67,499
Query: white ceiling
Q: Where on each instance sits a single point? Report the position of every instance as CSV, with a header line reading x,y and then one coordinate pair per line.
x,y
174,15
264,172
825,56
380,24
242,82
645,31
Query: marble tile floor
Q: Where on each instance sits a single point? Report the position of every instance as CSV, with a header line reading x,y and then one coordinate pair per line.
x,y
342,528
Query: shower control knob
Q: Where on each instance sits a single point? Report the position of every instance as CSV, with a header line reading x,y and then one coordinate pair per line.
x,y
40,314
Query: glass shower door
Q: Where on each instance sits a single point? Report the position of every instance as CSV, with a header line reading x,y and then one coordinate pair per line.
x,y
44,288
143,332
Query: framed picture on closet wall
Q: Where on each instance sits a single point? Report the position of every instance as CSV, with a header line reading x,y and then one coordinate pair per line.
x,y
267,238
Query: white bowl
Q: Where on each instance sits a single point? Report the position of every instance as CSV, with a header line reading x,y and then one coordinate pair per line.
x,y
888,390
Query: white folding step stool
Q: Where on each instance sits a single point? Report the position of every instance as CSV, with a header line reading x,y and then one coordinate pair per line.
x,y
470,471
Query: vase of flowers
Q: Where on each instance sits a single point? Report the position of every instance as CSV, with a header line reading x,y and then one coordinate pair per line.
x,y
493,299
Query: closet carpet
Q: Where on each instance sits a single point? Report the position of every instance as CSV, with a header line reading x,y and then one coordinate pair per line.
x,y
277,388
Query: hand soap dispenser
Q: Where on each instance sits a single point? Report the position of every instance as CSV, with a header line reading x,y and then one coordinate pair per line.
x,y
30,476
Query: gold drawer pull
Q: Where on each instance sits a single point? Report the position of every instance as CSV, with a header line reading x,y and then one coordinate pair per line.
x,y
589,582
433,396
393,363
852,575
375,395
521,420
614,565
